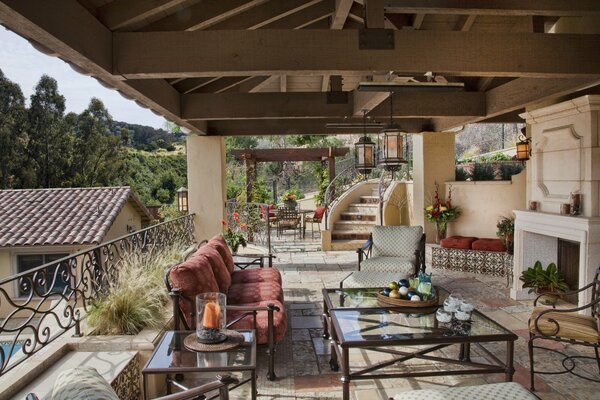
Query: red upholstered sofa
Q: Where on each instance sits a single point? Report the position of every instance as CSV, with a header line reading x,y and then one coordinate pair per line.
x,y
254,296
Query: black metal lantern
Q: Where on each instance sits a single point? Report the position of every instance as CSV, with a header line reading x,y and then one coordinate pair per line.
x,y
523,147
393,143
182,200
364,151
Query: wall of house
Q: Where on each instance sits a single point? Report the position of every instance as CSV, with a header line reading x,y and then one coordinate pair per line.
x,y
398,203
128,216
482,203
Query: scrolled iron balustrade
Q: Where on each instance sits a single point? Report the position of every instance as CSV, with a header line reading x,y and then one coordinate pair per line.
x,y
41,304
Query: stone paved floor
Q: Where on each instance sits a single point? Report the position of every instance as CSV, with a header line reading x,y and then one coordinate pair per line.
x,y
302,358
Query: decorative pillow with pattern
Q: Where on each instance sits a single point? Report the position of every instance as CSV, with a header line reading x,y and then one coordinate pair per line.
x,y
82,383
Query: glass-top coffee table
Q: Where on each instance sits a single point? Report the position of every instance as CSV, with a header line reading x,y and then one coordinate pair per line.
x,y
172,358
355,320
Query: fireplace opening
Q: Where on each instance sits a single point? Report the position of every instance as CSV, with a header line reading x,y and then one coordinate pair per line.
x,y
568,265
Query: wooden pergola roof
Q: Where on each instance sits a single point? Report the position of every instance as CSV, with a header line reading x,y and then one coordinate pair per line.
x,y
313,154
251,67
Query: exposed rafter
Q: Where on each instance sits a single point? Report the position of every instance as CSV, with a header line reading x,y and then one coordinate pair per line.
x,y
119,14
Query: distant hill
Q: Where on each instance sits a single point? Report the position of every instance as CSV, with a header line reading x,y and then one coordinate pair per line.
x,y
146,137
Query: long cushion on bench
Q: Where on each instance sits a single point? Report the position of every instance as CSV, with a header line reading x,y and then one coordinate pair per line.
x,y
389,264
219,243
244,293
279,321
458,242
490,391
222,274
488,245
256,275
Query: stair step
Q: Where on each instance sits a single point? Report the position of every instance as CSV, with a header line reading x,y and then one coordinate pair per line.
x,y
349,235
357,216
369,199
358,226
346,244
366,209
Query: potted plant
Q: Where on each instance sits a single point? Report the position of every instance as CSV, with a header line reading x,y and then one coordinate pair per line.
x,y
506,232
541,281
289,199
233,233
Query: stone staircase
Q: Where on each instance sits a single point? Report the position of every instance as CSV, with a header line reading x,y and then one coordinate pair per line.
x,y
355,224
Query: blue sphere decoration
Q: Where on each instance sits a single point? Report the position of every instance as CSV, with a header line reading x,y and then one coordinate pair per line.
x,y
411,294
386,291
403,282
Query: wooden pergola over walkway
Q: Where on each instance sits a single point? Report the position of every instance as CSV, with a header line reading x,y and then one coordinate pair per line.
x,y
252,156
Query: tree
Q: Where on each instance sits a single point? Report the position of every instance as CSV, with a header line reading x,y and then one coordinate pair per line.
x,y
13,137
49,146
97,156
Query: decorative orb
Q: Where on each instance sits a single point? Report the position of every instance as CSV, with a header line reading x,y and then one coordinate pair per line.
x,y
411,294
415,297
403,290
394,294
403,282
386,291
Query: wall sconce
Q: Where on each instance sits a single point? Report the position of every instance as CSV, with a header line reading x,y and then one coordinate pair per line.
x,y
523,147
182,200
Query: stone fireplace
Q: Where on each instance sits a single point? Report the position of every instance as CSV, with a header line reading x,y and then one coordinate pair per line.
x,y
565,158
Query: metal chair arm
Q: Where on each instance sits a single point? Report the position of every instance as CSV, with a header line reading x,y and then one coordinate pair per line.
x,y
221,384
559,310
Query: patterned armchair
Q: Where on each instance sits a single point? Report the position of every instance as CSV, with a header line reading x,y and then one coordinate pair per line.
x,y
397,249
568,326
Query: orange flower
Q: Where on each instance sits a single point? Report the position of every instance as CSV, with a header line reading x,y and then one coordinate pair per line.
x,y
223,222
236,216
243,226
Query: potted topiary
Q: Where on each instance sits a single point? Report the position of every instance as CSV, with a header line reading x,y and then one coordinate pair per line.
x,y
506,232
542,281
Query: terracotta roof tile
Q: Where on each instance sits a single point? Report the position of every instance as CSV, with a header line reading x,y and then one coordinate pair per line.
x,y
62,216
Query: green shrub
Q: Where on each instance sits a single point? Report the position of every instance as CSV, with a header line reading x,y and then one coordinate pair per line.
x,y
460,174
138,297
483,172
508,170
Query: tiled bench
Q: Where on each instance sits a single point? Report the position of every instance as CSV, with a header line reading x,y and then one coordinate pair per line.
x,y
476,261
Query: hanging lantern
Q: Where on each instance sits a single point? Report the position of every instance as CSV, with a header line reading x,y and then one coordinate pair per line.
x,y
182,200
523,147
393,143
365,155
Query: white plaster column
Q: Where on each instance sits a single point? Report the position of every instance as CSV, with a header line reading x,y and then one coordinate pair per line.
x,y
433,161
206,183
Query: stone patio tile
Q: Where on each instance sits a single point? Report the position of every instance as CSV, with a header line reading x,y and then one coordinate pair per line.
x,y
310,383
322,346
505,319
300,334
307,322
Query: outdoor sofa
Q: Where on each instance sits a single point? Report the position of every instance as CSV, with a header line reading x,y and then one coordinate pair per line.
x,y
254,296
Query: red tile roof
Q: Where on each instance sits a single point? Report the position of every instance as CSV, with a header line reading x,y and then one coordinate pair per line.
x,y
31,217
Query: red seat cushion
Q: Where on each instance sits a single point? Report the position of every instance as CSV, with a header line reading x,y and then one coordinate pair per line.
x,y
458,242
192,277
488,245
245,293
256,275
262,321
221,272
219,243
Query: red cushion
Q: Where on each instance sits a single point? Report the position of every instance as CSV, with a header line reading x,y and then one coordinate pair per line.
x,y
262,321
192,277
245,293
488,245
222,275
256,275
457,242
319,212
219,243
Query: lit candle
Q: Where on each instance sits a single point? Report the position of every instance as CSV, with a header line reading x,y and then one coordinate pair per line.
x,y
212,312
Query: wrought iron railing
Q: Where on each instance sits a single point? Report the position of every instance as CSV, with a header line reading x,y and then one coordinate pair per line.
x,y
41,304
250,219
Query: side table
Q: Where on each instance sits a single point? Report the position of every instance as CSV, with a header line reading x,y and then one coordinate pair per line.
x,y
171,358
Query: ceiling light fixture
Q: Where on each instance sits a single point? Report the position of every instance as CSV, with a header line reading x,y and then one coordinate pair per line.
x,y
364,154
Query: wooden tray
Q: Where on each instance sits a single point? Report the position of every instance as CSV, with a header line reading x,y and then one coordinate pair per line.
x,y
388,301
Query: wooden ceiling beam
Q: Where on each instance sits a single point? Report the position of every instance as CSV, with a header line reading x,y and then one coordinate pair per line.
x,y
294,126
259,86
374,14
247,86
264,14
465,22
558,8
342,9
120,14
418,21
266,52
289,154
304,17
202,15
301,105
222,84
189,85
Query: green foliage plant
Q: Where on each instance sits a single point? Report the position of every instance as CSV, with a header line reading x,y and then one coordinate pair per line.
x,y
505,226
233,233
460,174
137,298
507,170
540,280
483,172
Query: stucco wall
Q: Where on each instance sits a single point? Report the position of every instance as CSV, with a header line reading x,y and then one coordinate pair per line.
x,y
482,203
398,204
127,216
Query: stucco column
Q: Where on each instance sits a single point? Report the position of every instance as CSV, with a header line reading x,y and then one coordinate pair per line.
x,y
206,183
433,161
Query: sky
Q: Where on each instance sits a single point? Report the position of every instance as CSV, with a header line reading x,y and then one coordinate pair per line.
x,y
23,64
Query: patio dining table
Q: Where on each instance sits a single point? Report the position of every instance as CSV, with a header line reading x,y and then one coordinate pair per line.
x,y
355,321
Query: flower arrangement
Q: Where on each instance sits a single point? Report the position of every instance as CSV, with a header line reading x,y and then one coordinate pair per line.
x,y
233,233
288,196
441,212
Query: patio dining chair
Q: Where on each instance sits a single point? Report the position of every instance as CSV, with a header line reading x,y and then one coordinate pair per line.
x,y
288,218
316,218
567,325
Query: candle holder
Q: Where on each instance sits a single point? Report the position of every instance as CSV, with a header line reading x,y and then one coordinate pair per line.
x,y
210,321
575,203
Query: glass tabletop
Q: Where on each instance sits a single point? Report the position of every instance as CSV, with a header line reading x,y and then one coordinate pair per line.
x,y
172,356
362,326
361,297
